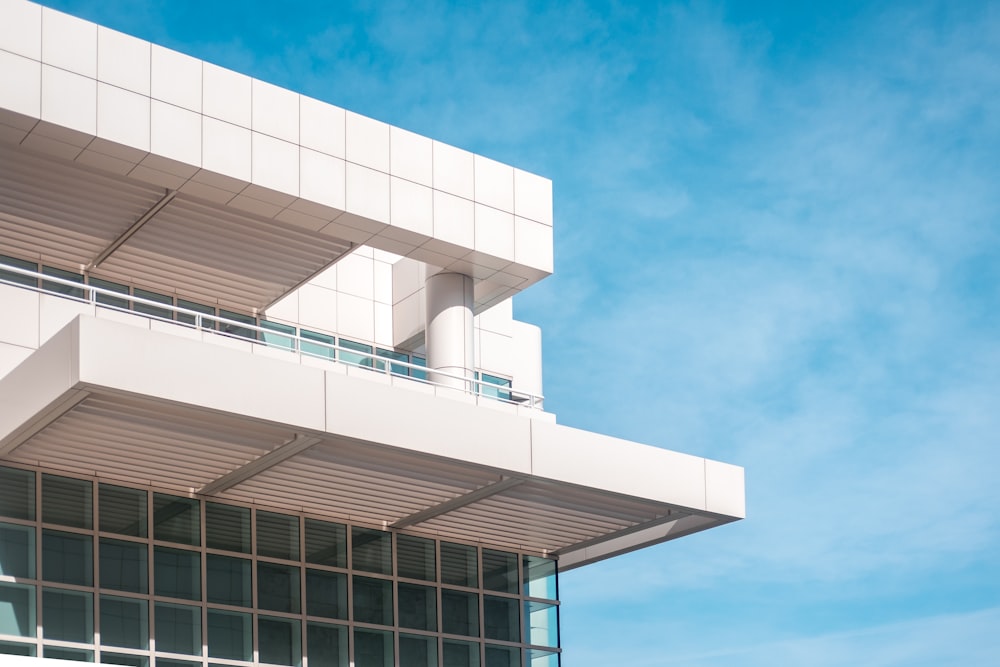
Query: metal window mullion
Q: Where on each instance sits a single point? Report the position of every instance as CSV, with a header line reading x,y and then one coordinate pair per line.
x,y
95,575
39,621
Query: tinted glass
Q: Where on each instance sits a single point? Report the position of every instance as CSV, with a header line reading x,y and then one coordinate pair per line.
x,y
500,571
373,600
176,519
229,635
69,615
371,550
459,565
415,558
277,535
459,613
326,594
17,493
122,510
177,573
280,641
278,587
417,607
124,622
67,501
67,558
228,580
178,629
17,551
326,543
124,566
227,527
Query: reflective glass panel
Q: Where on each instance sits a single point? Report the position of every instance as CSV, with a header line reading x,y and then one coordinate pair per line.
x,y
415,558
279,641
67,558
278,335
416,372
169,662
540,658
236,329
123,659
17,278
229,635
373,648
17,493
149,308
68,615
503,656
459,565
228,580
187,318
177,573
417,651
396,356
459,613
542,623
178,629
350,352
67,501
417,607
278,587
16,648
17,610
60,288
124,622
124,566
17,551
227,527
500,571
122,510
326,594
74,654
317,344
460,654
373,600
371,550
176,519
326,543
277,535
540,578
109,299
327,645
501,618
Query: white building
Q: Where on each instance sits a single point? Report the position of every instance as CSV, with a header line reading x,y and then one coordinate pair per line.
x,y
262,398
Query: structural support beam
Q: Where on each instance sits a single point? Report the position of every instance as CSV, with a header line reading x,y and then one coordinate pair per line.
x,y
40,421
461,501
135,227
296,445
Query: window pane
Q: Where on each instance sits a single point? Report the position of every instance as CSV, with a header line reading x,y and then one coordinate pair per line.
x,y
503,656
322,347
500,571
542,623
278,587
372,600
460,654
278,335
459,613
59,288
17,493
178,629
17,278
108,299
371,550
396,356
229,635
372,648
176,519
459,565
540,578
326,543
17,610
236,329
501,619
353,357
494,387
415,558
279,641
122,659
327,645
277,535
417,607
177,573
326,594
122,510
417,651
168,662
67,502
124,566
67,558
227,527
17,551
228,580
68,615
149,308
16,648
206,322
76,655
124,622
419,374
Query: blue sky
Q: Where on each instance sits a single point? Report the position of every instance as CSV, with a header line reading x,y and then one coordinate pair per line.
x,y
777,244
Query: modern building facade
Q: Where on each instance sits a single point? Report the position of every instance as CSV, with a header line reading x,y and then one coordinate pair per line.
x,y
262,396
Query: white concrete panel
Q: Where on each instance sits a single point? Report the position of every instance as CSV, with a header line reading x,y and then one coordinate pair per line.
x,y
123,60
22,86
724,489
355,317
69,43
355,275
123,116
454,170
367,142
383,325
225,148
275,111
19,324
322,178
226,95
367,192
533,243
326,278
411,206
496,353
532,197
411,156
286,309
55,312
407,277
322,126
494,183
590,459
408,319
275,164
494,232
454,220
21,29
498,318
526,366
69,100
175,133
317,308
382,279
175,78
11,356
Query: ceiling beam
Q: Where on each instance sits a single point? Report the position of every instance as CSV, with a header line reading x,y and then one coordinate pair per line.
x,y
133,228
42,420
285,451
499,486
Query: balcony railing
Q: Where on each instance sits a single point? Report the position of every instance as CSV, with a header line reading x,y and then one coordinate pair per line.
x,y
268,334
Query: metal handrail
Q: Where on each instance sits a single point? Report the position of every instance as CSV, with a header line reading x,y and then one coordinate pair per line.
x,y
470,384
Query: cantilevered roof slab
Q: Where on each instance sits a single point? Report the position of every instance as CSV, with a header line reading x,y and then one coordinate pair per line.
x,y
182,411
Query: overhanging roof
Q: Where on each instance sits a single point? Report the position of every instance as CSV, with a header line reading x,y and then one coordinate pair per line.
x,y
185,415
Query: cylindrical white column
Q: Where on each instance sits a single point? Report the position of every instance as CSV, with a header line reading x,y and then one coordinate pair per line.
x,y
449,333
